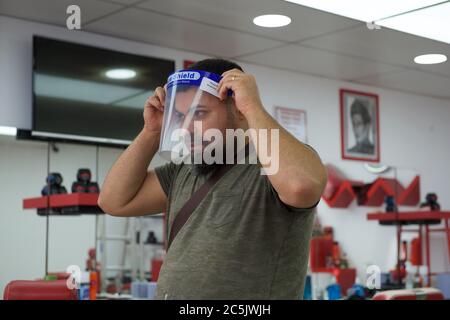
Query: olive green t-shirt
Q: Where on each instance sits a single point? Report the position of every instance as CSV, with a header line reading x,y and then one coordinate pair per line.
x,y
241,242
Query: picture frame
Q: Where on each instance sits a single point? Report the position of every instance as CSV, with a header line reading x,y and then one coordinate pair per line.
x,y
293,120
360,125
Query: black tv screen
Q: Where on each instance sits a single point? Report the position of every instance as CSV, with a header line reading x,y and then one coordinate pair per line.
x,y
85,93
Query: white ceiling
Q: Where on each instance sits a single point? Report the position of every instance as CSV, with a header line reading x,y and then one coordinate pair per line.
x,y
316,42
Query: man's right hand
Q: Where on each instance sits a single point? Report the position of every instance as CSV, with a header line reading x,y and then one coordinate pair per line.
x,y
154,111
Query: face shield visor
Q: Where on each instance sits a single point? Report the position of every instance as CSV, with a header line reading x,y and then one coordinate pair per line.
x,y
192,105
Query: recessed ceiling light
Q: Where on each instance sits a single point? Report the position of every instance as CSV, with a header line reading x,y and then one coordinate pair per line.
x,y
120,73
272,20
430,59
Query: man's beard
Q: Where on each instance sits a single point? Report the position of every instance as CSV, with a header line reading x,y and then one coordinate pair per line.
x,y
238,151
202,169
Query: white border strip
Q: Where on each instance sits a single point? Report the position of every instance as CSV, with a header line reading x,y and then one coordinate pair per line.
x,y
79,138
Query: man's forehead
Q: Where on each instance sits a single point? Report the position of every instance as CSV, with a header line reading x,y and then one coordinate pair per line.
x,y
184,99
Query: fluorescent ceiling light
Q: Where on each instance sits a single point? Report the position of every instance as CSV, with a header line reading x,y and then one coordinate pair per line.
x,y
8,131
120,74
365,10
272,20
430,59
432,23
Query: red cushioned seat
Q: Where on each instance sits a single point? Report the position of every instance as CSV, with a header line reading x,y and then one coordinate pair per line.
x,y
38,290
410,294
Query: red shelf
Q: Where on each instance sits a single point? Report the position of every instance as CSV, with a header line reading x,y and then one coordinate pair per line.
x,y
409,216
376,193
61,201
381,188
343,197
411,195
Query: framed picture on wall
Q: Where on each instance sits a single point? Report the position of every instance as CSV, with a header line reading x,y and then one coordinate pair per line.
x,y
360,128
293,120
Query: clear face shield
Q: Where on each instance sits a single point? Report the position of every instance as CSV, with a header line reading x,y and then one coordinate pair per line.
x,y
192,109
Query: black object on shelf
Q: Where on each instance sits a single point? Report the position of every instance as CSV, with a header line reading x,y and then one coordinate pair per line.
x,y
390,204
54,184
72,210
431,202
83,183
151,238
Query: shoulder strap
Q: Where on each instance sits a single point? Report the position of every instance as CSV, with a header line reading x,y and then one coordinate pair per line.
x,y
196,198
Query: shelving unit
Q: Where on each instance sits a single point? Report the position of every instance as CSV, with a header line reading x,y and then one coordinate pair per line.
x,y
411,195
381,188
72,204
373,194
343,196
421,218
60,204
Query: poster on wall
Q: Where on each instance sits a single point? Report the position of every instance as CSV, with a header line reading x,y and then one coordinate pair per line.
x,y
293,120
360,129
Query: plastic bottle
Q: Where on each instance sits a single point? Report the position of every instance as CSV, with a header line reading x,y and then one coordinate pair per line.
x,y
409,281
93,285
83,291
423,271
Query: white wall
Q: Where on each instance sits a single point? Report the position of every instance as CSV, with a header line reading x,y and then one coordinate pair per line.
x,y
414,133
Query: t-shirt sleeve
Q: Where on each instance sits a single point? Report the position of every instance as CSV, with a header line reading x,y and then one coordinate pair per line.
x,y
274,194
166,174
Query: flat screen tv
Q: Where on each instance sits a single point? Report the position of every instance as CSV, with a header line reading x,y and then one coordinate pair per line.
x,y
88,94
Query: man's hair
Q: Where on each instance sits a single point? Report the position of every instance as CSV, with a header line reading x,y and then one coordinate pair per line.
x,y
359,107
215,65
